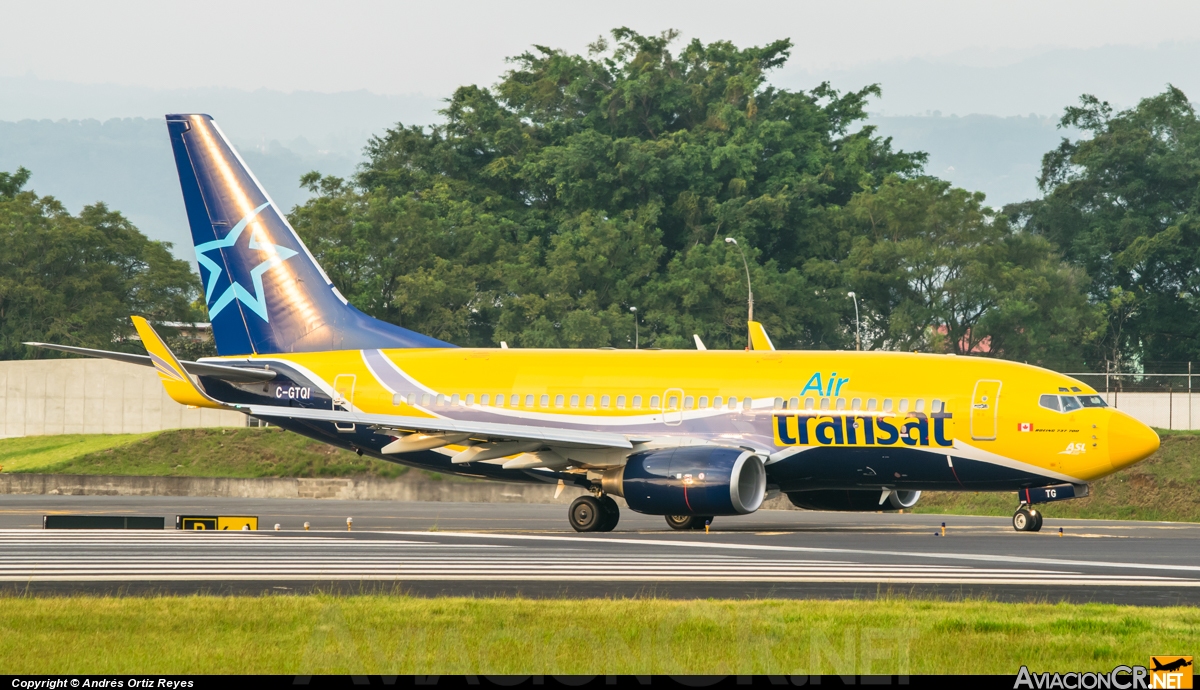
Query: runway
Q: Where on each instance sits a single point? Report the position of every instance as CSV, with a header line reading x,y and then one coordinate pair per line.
x,y
503,549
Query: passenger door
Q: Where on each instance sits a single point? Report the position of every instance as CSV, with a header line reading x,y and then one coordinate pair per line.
x,y
343,398
672,406
985,410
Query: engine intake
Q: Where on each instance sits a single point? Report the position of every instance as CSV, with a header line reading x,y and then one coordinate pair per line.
x,y
693,480
861,500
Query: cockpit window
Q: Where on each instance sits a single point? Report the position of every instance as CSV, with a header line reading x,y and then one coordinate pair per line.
x,y
1092,401
1050,402
1069,403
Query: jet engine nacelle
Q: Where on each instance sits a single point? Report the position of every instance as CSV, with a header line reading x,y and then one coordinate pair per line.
x,y
853,499
691,480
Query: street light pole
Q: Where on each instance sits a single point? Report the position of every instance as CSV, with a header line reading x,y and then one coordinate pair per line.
x,y
633,310
749,289
857,328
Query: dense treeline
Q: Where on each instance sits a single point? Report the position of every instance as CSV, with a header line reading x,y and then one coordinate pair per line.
x,y
545,207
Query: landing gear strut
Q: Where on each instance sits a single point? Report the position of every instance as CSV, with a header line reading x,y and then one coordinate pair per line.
x,y
592,514
682,522
1027,520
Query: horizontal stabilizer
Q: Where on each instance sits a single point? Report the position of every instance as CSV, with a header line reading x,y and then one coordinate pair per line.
x,y
230,374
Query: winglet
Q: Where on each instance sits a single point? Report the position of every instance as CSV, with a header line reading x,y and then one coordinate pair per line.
x,y
175,379
759,338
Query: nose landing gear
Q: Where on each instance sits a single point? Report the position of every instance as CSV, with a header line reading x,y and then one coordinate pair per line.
x,y
1027,520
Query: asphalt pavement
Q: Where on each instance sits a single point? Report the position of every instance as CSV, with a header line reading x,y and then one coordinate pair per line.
x,y
478,549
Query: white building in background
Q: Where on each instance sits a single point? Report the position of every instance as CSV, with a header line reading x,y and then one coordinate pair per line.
x,y
93,396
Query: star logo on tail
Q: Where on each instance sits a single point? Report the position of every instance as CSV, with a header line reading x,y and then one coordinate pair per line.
x,y
256,301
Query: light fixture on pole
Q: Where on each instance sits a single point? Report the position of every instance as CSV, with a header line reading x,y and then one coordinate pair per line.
x,y
749,289
857,330
633,310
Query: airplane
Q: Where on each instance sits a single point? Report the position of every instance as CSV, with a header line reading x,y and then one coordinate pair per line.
x,y
689,435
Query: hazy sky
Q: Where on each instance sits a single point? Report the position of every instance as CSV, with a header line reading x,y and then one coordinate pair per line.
x,y
431,47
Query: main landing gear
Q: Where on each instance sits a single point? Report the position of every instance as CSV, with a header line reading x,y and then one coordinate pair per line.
x,y
1027,520
682,522
594,514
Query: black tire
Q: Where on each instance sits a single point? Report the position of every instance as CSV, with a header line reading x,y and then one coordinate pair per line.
x,y
682,522
612,514
586,514
699,520
1023,520
1037,521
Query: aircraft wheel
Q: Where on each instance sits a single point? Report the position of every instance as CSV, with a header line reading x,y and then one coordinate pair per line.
x,y
698,522
682,522
586,514
612,514
1037,520
1023,520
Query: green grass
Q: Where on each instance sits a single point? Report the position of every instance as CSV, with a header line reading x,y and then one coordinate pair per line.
x,y
32,453
234,452
1162,487
400,635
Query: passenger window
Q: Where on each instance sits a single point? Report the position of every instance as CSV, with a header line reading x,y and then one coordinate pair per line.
x,y
809,403
688,402
545,401
654,402
1092,401
1050,402
620,402
499,400
1069,403
604,400
454,400
470,399
590,401
794,404
872,404
856,404
485,399
412,398
747,404
733,404
841,403
425,398
887,404
704,402
397,399
938,407
903,405
920,405
778,403
558,400
441,400
637,402
574,401
824,403
717,402
529,401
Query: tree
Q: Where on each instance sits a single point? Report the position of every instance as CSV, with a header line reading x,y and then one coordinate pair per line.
x,y
579,186
75,280
1123,202
937,270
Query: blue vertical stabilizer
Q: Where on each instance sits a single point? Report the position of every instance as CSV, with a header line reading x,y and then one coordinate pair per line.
x,y
264,290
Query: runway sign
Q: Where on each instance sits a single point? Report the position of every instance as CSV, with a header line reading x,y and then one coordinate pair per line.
x,y
216,522
101,522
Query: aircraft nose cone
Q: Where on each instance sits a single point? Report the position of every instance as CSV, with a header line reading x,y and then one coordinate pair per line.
x,y
1129,440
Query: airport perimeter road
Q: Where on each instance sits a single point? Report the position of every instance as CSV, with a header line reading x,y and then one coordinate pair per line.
x,y
499,549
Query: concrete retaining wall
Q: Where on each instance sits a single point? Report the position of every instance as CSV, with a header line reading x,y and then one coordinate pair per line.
x,y
93,396
414,489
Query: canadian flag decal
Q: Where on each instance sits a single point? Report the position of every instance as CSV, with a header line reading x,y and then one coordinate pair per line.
x,y
1025,426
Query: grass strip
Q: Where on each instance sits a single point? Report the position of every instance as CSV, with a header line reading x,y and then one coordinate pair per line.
x,y
381,634
34,453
